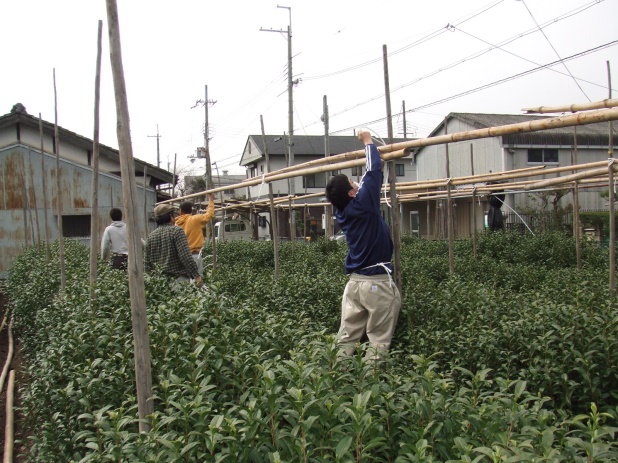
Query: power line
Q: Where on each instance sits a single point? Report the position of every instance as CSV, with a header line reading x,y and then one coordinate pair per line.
x,y
420,41
492,84
554,48
473,56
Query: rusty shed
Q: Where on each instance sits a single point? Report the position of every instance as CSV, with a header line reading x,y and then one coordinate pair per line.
x,y
22,199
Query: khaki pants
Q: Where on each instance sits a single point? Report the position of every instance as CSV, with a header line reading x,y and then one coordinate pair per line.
x,y
370,305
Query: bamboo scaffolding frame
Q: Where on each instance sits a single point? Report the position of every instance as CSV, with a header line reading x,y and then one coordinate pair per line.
x,y
401,149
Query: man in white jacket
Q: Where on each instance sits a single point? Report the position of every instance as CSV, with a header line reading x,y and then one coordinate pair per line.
x,y
114,241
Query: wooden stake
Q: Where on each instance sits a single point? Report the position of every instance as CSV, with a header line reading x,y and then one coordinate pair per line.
x,y
94,215
44,186
63,279
273,216
145,202
143,378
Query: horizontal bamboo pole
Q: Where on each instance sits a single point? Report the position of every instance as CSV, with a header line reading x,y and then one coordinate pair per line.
x,y
277,176
468,178
607,103
568,178
518,173
400,149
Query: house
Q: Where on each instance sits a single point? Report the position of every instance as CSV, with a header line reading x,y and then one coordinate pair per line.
x,y
196,183
551,148
24,204
306,148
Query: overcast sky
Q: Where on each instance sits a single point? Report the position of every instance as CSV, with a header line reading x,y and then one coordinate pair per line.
x,y
444,56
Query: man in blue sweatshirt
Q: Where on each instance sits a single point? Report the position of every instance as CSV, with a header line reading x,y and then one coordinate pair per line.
x,y
371,300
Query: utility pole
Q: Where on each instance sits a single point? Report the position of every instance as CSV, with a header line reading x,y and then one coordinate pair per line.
x,y
208,173
158,152
290,113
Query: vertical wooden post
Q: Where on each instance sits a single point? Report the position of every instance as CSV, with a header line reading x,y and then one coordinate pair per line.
x,y
428,220
392,174
32,187
143,378
305,213
25,201
145,203
576,223
44,186
612,230
63,279
474,234
94,215
612,214
449,212
273,216
328,208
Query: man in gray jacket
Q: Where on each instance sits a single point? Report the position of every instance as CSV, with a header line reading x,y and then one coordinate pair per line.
x,y
114,241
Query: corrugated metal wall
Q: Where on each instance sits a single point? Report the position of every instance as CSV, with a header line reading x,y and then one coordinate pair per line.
x,y
22,199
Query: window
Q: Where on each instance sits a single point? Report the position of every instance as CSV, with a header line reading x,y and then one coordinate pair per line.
x,y
399,170
228,192
314,181
543,155
262,221
235,227
75,226
356,170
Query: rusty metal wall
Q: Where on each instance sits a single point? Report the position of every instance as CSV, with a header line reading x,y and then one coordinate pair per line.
x,y
22,199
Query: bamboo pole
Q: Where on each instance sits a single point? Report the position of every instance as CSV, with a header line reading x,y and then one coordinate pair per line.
x,y
398,149
576,224
474,233
392,178
44,186
145,203
449,208
25,202
612,230
9,427
32,188
273,216
94,215
9,357
143,378
568,178
281,176
612,192
63,279
607,103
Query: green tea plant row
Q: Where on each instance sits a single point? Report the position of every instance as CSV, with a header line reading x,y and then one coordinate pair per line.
x,y
249,370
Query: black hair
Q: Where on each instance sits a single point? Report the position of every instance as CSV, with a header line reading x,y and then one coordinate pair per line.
x,y
186,207
337,191
165,218
115,214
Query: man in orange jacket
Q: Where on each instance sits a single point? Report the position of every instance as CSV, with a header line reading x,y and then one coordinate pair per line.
x,y
193,225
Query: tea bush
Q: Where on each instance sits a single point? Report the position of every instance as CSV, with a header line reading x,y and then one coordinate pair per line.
x,y
507,360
